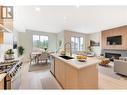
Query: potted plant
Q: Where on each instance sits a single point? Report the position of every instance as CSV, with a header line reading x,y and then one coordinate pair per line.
x,y
20,50
9,54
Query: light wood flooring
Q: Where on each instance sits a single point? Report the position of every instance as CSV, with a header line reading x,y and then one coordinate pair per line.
x,y
43,79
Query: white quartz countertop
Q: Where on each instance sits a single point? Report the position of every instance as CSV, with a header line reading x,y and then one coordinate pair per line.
x,y
77,64
2,76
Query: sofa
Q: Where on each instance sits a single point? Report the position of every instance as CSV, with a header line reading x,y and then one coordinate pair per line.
x,y
120,66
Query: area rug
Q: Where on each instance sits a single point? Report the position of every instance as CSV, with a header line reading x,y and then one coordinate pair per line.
x,y
39,66
109,71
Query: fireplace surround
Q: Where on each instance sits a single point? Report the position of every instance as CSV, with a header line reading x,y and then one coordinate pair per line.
x,y
114,54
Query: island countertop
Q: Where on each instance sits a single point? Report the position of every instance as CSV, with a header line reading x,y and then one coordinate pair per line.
x,y
77,64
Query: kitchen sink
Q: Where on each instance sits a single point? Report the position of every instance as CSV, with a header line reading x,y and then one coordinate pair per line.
x,y
66,57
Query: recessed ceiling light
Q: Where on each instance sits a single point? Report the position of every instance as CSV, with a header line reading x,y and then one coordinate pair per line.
x,y
65,17
37,9
78,5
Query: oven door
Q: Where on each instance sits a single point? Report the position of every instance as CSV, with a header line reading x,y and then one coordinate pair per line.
x,y
16,80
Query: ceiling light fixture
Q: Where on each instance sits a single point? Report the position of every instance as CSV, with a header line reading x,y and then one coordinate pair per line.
x,y
78,5
65,17
37,9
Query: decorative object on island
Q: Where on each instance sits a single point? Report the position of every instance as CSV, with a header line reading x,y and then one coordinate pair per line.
x,y
81,58
104,61
20,50
59,45
9,54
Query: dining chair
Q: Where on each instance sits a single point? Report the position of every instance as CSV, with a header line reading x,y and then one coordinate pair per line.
x,y
32,59
43,57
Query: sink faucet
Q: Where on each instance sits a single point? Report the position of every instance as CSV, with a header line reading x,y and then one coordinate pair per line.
x,y
65,47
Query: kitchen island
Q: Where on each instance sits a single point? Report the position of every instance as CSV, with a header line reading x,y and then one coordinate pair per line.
x,y
72,74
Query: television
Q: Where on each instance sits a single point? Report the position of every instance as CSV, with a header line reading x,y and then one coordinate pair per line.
x,y
114,40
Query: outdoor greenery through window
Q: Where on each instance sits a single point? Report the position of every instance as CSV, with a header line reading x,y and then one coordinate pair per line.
x,y
77,44
40,41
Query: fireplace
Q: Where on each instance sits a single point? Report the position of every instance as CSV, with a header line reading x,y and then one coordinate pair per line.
x,y
112,56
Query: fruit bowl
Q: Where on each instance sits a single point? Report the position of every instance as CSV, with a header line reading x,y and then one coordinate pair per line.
x,y
81,58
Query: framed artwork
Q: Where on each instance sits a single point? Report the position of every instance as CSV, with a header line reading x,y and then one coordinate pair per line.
x,y
93,43
7,12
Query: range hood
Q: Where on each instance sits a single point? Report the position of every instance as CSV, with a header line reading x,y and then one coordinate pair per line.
x,y
4,29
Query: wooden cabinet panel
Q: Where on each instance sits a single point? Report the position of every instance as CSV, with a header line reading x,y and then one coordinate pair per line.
x,y
65,74
2,84
88,78
71,77
115,32
1,37
60,72
56,68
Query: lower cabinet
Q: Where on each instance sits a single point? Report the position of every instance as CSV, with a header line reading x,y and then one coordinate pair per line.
x,y
60,72
73,78
1,37
2,84
65,74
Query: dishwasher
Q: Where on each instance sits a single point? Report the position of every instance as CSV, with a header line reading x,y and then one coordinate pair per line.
x,y
52,69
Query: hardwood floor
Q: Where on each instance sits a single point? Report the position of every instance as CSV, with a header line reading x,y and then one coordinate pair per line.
x,y
106,82
43,79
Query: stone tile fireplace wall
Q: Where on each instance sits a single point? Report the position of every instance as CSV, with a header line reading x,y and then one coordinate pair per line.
x,y
123,53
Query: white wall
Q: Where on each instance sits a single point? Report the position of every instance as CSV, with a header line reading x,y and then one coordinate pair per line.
x,y
25,39
60,36
68,34
97,38
7,44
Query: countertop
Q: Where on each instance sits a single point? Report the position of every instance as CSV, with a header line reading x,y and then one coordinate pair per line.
x,y
2,76
77,64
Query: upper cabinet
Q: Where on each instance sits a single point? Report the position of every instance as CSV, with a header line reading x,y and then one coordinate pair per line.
x,y
115,38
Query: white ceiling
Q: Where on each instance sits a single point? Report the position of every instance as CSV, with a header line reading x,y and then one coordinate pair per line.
x,y
86,19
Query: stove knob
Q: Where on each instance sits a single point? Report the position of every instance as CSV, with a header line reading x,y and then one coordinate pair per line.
x,y
13,73
10,75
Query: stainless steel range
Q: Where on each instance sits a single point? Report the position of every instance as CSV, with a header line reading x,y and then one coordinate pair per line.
x,y
13,70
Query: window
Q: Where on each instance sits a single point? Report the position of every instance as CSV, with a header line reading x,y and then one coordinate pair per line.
x,y
44,41
40,41
77,44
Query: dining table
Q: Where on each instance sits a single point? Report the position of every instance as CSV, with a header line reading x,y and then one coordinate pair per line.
x,y
36,54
